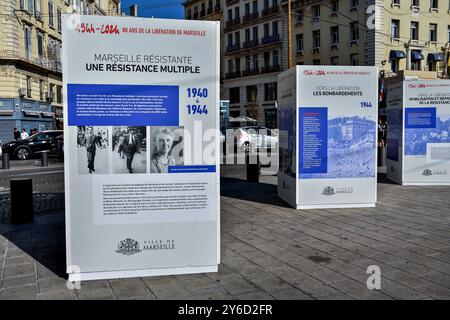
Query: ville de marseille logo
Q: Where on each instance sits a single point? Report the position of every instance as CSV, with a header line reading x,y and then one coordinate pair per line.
x,y
128,247
328,191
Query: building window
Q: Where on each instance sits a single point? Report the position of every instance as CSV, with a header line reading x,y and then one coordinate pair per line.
x,y
334,6
58,17
230,39
354,60
50,14
300,15
237,39
27,42
274,28
247,35
448,33
266,4
230,15
395,29
230,66
255,33
270,116
431,66
41,90
415,3
433,32
354,3
252,93
316,39
266,58
236,13
59,94
255,62
316,11
235,95
414,30
28,87
275,58
299,38
270,91
334,35
255,6
40,45
37,8
247,9
237,64
334,61
396,2
316,62
354,31
434,4
266,30
189,14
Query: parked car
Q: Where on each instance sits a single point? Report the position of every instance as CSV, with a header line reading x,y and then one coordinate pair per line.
x,y
256,137
27,148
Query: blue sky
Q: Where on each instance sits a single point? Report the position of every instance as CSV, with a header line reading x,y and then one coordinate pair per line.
x,y
171,9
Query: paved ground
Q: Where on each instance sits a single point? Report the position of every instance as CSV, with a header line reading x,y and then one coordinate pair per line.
x,y
269,251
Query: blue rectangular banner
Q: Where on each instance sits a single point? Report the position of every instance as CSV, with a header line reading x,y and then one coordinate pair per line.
x,y
420,118
313,137
111,104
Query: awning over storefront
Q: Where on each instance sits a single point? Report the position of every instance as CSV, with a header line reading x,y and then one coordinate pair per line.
x,y
6,112
48,114
32,113
435,57
397,54
417,56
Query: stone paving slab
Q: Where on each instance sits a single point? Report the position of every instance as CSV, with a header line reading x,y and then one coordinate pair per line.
x,y
268,250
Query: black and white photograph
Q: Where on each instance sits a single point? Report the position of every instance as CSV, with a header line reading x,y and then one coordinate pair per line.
x,y
92,149
129,149
166,148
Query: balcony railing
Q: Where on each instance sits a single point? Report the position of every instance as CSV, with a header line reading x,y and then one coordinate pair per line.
x,y
269,69
250,72
233,47
270,10
49,64
231,2
233,22
270,39
232,75
251,16
250,43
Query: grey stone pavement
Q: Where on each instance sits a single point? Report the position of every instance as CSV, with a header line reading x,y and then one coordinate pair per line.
x,y
268,250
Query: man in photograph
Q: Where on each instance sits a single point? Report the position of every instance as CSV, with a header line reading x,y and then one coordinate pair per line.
x,y
130,144
90,141
161,158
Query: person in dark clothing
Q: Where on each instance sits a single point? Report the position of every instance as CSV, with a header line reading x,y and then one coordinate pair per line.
x,y
130,144
16,134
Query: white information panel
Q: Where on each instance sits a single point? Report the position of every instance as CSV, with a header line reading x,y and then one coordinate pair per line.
x,y
141,114
328,139
418,136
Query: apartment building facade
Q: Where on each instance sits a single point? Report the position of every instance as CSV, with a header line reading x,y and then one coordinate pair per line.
x,y
251,41
395,35
30,60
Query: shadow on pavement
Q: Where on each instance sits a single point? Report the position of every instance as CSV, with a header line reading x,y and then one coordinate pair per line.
x,y
263,193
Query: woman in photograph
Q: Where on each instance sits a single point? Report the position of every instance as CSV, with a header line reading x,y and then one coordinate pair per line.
x,y
161,158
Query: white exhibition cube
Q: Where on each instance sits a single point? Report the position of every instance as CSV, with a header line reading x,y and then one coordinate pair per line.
x,y
328,139
418,132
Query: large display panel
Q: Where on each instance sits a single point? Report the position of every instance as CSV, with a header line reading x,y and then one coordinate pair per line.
x,y
327,120
419,132
141,114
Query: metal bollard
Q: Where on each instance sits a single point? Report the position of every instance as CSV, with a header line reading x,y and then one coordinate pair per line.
x,y
382,156
5,160
44,159
253,169
21,200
